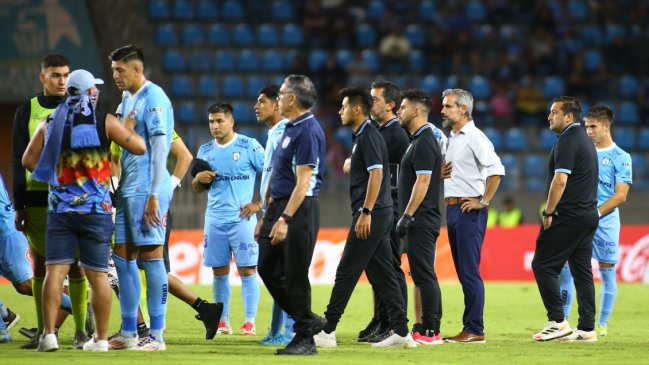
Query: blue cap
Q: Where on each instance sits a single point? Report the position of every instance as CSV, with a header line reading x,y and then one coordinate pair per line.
x,y
82,81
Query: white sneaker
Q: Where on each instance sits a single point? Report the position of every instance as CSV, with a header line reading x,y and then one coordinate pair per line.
x,y
48,343
553,330
96,345
580,336
394,340
323,339
120,342
151,344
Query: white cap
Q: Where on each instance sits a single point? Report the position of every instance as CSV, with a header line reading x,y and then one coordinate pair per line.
x,y
82,81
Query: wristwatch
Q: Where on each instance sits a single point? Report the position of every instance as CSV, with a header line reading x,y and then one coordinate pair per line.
x,y
366,211
546,214
483,203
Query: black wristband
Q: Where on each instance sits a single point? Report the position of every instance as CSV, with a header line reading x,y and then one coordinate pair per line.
x,y
366,211
408,217
287,218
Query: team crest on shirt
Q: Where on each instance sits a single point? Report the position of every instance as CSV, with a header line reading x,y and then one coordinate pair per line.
x,y
285,142
236,156
606,161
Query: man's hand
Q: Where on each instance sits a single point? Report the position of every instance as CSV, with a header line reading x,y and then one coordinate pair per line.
x,y
446,170
347,165
363,226
206,177
130,122
249,209
278,233
151,218
547,222
470,204
403,224
20,219
258,228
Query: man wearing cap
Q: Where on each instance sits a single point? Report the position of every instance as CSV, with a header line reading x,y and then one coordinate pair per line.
x,y
70,153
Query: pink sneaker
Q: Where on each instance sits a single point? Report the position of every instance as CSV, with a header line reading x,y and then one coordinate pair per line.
x,y
248,329
426,340
224,329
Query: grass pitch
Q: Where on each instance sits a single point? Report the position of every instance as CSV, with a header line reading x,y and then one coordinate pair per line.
x,y
513,312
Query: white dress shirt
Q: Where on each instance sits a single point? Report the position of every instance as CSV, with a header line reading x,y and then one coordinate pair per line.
x,y
473,159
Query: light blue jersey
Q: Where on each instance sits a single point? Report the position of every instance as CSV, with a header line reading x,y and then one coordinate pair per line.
x,y
6,210
236,165
154,115
274,136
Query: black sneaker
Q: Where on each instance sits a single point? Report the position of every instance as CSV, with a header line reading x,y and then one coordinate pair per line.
x,y
381,334
371,327
317,324
142,330
11,319
299,346
32,344
417,328
210,319
28,332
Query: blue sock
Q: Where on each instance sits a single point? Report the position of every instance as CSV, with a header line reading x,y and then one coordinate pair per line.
x,y
221,292
157,291
3,311
608,294
277,319
567,285
288,326
250,296
129,294
66,304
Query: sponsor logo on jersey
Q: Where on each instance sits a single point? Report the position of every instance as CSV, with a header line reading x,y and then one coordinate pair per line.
x,y
154,110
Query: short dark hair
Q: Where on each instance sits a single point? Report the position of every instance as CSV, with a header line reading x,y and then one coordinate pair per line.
x,y
569,105
127,54
418,96
54,60
358,96
271,91
220,107
600,112
303,89
390,93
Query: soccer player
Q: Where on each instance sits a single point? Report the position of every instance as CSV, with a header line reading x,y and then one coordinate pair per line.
x,y
615,178
267,112
145,195
234,161
70,153
30,197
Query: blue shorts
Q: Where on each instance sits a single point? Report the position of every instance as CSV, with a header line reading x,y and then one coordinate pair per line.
x,y
14,262
606,243
222,241
88,234
129,221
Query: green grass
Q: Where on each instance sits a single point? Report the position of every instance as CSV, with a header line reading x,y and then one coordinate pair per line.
x,y
513,312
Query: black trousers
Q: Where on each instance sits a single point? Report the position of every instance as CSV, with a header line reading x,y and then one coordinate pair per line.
x,y
396,246
555,246
374,256
422,247
284,268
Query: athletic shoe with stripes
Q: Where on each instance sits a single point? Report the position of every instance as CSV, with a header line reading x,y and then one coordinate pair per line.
x,y
580,336
224,329
553,330
119,342
151,344
248,329
434,339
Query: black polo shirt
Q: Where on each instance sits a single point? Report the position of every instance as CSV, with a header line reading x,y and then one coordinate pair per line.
x,y
397,142
575,154
369,152
423,156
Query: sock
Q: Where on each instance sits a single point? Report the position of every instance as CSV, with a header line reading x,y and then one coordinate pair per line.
x,y
144,303
129,294
37,290
79,300
608,294
157,293
3,310
221,292
250,296
66,304
567,286
289,322
277,319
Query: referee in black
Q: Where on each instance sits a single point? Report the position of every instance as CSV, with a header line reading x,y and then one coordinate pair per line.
x,y
570,219
368,242
290,226
419,191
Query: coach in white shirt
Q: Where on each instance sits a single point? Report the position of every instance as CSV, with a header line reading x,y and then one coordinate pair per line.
x,y
472,173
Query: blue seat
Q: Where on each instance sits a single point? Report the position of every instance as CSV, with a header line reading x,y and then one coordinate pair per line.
x,y
512,164
165,35
242,35
547,140
475,11
535,184
375,10
415,35
208,86
371,59
183,10
158,10
534,166
317,58
591,35
515,140
291,35
281,11
232,11
578,9
241,112
624,137
343,136
224,61
639,165
494,136
186,112
271,60
416,61
200,61
365,36
431,84
248,131
427,11
193,35
344,57
173,60
248,60
643,139
629,113
267,35
451,82
480,88
553,86
218,35
592,60
207,10
628,86
255,84
232,87
481,111
182,86
613,30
